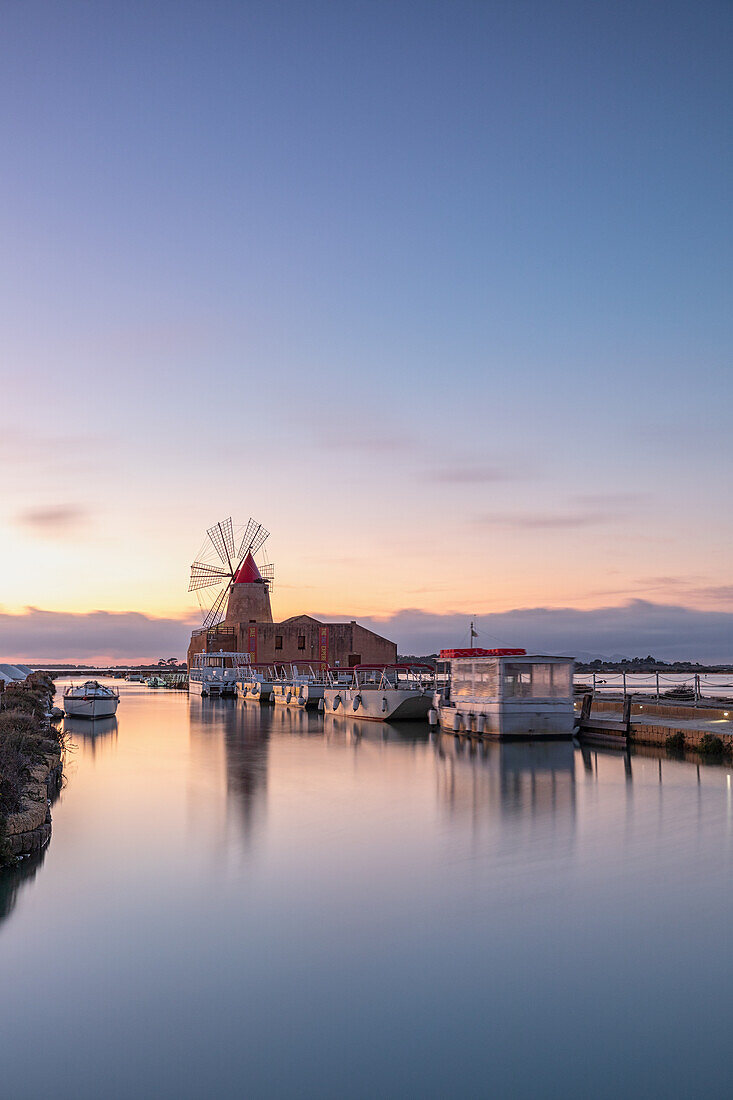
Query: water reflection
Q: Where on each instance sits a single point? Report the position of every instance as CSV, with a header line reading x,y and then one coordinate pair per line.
x,y
12,880
358,900
246,738
351,730
92,731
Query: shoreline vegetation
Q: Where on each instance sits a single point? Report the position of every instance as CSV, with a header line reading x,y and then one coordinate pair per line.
x,y
31,752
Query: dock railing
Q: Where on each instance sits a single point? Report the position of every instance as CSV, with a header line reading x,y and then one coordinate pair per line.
x,y
696,688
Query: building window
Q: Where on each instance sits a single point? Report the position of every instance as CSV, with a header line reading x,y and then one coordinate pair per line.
x,y
278,641
354,659
301,641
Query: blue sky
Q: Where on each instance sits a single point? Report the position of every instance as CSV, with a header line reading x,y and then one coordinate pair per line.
x,y
439,292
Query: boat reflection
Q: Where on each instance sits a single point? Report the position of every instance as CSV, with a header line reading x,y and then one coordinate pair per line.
x,y
351,730
532,781
91,728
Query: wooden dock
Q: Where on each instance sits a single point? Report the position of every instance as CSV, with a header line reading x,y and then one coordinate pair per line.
x,y
626,721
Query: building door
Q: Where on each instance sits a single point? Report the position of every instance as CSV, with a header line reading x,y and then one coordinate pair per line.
x,y
354,659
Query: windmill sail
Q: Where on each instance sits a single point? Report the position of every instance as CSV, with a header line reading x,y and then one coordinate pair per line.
x,y
255,536
222,537
203,576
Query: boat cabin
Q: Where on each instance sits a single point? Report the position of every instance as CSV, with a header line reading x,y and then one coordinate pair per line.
x,y
505,693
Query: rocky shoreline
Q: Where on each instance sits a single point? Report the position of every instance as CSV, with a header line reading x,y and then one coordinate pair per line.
x,y
31,767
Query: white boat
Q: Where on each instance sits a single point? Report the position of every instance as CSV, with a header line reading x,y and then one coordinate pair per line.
x,y
504,693
298,688
381,692
155,682
90,700
259,685
218,673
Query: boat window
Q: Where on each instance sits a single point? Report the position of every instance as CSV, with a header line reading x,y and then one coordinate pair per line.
x,y
301,641
278,641
536,681
474,679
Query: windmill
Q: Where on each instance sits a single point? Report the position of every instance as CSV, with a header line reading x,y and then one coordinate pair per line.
x,y
226,559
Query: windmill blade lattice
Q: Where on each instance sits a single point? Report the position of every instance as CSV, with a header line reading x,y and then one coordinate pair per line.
x,y
204,576
218,609
222,536
254,538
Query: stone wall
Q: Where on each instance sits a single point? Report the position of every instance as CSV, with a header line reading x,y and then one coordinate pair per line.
x,y
301,639
29,829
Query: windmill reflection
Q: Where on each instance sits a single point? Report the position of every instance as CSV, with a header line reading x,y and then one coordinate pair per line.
x,y
246,739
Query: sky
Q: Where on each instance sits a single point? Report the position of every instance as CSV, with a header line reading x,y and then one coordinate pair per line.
x,y
439,292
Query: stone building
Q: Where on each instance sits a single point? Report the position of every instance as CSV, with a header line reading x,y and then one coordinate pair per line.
x,y
248,627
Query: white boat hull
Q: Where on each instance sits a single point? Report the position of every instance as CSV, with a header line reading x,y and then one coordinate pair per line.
x,y
90,708
378,704
511,721
296,694
203,687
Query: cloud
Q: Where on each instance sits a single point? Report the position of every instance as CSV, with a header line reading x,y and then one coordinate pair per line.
x,y
639,627
586,510
35,635
470,475
55,520
555,521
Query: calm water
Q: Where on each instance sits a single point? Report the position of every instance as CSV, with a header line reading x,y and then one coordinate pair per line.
x,y
246,902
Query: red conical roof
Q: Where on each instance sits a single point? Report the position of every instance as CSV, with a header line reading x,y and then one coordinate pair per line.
x,y
247,572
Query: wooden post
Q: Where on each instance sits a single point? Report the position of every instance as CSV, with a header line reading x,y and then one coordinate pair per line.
x,y
657,687
624,676
586,708
594,681
627,713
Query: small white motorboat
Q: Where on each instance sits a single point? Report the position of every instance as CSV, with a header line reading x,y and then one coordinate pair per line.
x,y
90,700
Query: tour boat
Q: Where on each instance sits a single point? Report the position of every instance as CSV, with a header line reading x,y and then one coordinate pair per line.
x,y
90,700
259,684
298,688
381,692
217,673
504,693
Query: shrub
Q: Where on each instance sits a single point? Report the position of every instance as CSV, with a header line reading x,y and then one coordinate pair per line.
x,y
710,745
675,742
28,699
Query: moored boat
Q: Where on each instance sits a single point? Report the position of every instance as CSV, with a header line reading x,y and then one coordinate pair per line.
x,y
381,692
504,693
298,688
90,700
218,673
